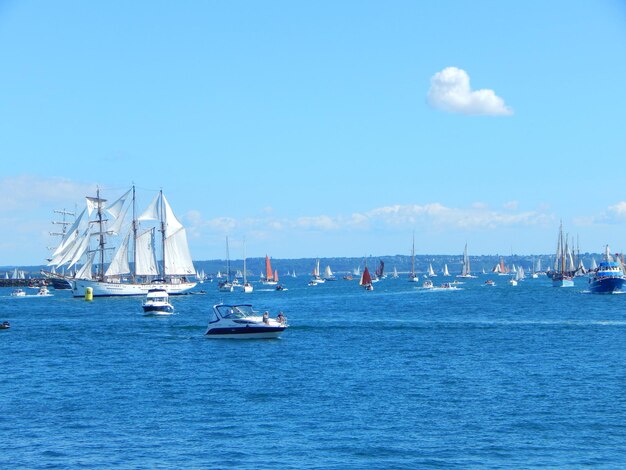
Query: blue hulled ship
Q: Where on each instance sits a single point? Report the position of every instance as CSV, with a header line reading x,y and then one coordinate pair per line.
x,y
608,277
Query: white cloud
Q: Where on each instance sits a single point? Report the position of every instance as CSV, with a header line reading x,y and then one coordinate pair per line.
x,y
450,91
433,216
30,191
611,215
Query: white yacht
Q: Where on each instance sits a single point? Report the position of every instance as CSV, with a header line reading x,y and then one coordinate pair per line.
x,y
241,321
157,303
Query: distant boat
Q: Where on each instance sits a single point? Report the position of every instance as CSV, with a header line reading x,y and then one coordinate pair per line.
x,y
564,270
608,277
357,271
395,273
445,272
366,279
380,270
328,274
316,279
226,285
269,274
431,271
412,276
466,271
247,287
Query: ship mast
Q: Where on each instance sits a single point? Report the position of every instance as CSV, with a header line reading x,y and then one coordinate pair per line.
x,y
162,231
134,270
101,242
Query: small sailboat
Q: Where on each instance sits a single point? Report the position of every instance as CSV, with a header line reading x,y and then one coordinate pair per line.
x,y
226,285
445,271
328,274
316,279
247,287
466,271
431,271
412,276
269,274
366,279
395,273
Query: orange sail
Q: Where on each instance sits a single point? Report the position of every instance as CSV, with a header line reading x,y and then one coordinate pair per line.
x,y
268,269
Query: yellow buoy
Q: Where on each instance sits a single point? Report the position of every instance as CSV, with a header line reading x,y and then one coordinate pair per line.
x,y
88,293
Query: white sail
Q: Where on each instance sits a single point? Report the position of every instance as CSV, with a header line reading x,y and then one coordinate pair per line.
x,y
77,227
95,203
119,263
445,270
85,271
144,252
152,211
177,255
115,208
328,272
431,271
81,248
172,224
594,265
117,225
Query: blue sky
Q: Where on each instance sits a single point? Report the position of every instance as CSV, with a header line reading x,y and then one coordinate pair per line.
x,y
320,128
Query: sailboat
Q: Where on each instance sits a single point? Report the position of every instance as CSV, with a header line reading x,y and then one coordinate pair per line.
x,y
563,273
247,287
226,285
431,271
316,279
380,271
395,273
269,274
366,279
328,274
466,272
412,276
121,278
445,271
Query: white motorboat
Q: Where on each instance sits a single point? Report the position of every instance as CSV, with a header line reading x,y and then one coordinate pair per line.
x,y
157,303
43,292
18,293
241,321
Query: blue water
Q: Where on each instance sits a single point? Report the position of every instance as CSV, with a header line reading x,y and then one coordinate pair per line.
x,y
501,376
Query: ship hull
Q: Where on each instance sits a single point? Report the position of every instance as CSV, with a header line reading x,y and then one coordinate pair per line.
x,y
112,289
607,285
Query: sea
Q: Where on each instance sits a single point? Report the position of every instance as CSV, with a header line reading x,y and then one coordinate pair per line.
x,y
401,377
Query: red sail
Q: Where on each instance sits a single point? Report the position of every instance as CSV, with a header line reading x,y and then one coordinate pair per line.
x,y
366,278
268,269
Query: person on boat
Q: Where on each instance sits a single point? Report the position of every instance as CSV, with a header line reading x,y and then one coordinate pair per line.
x,y
266,317
281,318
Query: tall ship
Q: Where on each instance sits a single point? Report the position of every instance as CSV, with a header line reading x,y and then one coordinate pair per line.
x,y
133,268
608,277
563,271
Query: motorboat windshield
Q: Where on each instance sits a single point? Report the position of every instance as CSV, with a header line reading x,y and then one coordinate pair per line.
x,y
235,311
